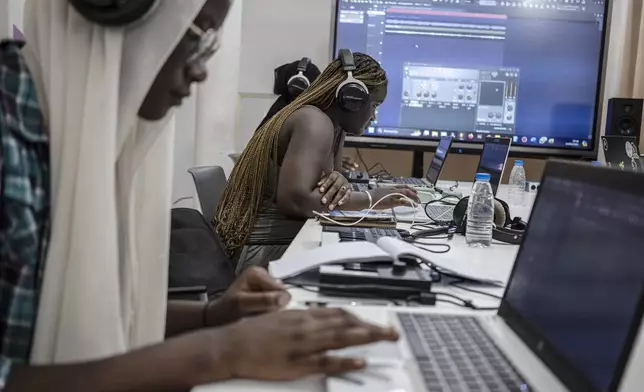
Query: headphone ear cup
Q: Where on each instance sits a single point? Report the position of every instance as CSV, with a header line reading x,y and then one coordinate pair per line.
x,y
117,13
460,215
352,96
506,210
500,214
297,84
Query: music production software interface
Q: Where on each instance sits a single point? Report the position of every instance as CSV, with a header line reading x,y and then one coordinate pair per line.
x,y
578,292
526,69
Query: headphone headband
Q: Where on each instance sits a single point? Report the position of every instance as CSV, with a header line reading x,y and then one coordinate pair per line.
x,y
348,63
303,65
352,94
298,82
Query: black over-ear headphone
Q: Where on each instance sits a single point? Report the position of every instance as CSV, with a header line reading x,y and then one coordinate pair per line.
x,y
352,95
113,12
506,229
298,83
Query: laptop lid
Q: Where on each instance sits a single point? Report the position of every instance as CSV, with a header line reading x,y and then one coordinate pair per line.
x,y
438,162
575,296
621,152
493,158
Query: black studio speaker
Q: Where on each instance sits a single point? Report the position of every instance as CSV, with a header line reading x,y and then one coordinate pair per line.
x,y
624,117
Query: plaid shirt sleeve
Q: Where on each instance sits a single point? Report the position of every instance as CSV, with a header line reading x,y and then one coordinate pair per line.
x,y
24,207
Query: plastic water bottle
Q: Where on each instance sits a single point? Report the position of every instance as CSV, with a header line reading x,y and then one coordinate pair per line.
x,y
516,190
480,213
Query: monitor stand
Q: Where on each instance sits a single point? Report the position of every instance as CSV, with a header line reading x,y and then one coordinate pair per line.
x,y
417,165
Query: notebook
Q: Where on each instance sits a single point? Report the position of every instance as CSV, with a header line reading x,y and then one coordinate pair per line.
x,y
385,249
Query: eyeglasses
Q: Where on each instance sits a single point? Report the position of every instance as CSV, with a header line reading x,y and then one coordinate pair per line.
x,y
209,43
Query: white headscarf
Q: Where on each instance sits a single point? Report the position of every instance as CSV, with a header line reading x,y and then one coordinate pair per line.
x,y
105,282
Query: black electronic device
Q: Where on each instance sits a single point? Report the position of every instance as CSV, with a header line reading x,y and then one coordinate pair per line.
x,y
399,280
435,167
624,117
493,159
370,234
506,229
113,12
358,177
299,82
360,186
532,187
621,152
352,95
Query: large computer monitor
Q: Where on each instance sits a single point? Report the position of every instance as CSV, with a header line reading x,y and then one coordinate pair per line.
x,y
525,69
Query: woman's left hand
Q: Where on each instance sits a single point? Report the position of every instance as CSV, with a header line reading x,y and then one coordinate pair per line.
x,y
254,292
335,189
348,164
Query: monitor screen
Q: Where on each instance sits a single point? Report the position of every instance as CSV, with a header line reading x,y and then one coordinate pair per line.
x,y
526,69
436,166
579,275
493,157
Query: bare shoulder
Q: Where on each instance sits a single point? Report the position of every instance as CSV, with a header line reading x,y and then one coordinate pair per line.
x,y
311,121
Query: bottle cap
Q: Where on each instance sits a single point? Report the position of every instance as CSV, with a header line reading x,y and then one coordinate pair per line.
x,y
518,162
482,177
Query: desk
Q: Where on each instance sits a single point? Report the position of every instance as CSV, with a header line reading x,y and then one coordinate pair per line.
x,y
500,257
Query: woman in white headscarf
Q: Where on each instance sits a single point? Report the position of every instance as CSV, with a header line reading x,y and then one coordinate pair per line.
x,y
106,95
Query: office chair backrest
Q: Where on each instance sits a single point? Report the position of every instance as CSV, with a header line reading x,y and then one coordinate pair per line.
x,y
197,256
234,157
210,182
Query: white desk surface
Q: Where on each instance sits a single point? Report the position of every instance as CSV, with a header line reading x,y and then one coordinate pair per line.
x,y
498,257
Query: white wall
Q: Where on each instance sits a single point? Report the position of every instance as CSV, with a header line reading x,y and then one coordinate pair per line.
x,y
10,14
206,123
285,31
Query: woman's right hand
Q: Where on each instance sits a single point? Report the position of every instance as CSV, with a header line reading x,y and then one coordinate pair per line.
x,y
394,201
292,344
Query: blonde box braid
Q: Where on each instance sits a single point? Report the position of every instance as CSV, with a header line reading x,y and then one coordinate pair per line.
x,y
244,194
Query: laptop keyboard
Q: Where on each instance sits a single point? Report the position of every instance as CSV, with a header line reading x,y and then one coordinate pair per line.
x,y
409,181
349,234
455,354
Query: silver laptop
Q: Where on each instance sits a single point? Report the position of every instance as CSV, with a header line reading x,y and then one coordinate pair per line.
x,y
433,172
570,313
493,160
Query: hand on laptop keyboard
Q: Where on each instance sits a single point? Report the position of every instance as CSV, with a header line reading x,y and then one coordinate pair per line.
x,y
292,344
394,201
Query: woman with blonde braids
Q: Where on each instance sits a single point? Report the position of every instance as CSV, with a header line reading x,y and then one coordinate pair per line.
x,y
276,184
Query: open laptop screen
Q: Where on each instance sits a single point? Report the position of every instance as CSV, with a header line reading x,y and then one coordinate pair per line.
x,y
436,166
576,288
495,153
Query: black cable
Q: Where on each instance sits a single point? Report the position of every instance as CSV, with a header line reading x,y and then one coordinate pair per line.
x,y
451,188
361,160
451,302
457,284
443,201
357,291
453,296
383,172
418,244
369,170
432,298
